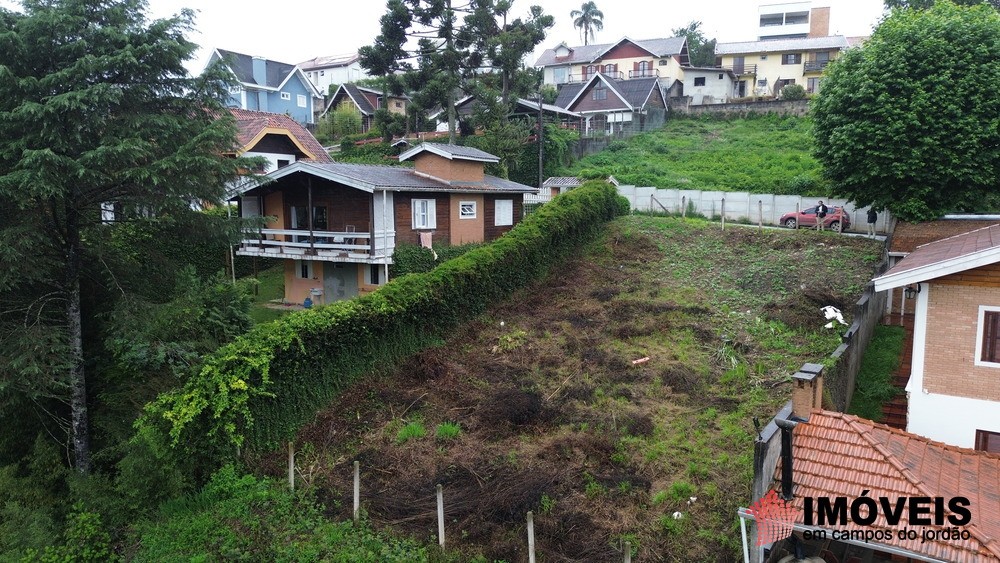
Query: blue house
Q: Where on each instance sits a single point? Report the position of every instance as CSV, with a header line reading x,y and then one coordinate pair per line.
x,y
270,86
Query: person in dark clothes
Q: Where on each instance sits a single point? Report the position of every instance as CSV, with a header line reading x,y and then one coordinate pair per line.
x,y
872,218
821,210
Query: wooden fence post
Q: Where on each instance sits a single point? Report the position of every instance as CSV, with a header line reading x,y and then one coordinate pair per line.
x,y
628,552
531,537
760,215
684,207
357,490
291,465
440,499
797,205
723,214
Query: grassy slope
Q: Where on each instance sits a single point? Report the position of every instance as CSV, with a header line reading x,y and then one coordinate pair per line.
x,y
874,387
555,418
764,154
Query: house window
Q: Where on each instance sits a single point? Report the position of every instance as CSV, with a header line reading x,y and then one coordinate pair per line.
x,y
424,214
791,58
397,104
322,73
699,81
763,57
286,96
466,210
283,163
608,69
504,213
600,92
304,269
988,441
588,71
373,274
812,85
663,62
988,337
560,75
301,101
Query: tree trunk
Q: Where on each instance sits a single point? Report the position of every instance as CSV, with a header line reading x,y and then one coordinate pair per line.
x,y
77,378
450,95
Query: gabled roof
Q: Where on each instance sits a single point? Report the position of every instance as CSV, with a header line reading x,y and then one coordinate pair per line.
x,y
451,152
353,92
276,74
836,454
252,126
524,104
907,236
332,61
633,93
663,47
782,45
369,177
951,255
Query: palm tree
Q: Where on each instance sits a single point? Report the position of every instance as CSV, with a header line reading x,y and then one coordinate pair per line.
x,y
588,19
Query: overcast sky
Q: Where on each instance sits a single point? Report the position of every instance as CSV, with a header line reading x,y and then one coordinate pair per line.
x,y
292,31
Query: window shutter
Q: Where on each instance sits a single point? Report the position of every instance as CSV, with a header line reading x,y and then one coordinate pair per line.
x,y
635,65
415,207
431,214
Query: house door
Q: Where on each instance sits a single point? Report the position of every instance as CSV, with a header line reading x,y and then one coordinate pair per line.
x,y
738,65
340,281
741,89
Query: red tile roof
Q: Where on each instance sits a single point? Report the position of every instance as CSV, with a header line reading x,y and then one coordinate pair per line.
x,y
251,123
957,246
836,454
908,236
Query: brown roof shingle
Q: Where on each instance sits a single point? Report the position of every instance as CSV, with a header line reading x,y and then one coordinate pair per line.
x,y
250,124
836,454
908,236
949,248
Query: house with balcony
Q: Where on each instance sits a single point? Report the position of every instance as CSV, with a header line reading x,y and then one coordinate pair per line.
x,y
269,86
366,101
611,105
625,59
275,137
336,225
327,71
792,20
953,390
763,68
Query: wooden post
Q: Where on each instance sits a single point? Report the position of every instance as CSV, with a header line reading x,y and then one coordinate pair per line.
x,y
797,204
723,214
531,537
440,499
357,490
291,465
684,207
628,552
760,215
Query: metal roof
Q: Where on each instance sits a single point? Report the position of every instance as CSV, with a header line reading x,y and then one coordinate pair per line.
x,y
782,45
451,152
662,47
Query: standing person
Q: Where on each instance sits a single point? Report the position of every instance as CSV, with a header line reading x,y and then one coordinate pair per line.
x,y
872,217
821,210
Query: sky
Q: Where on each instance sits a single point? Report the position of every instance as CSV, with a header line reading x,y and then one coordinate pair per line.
x,y
293,31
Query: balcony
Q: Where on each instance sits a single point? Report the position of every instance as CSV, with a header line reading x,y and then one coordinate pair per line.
x,y
587,76
740,70
332,246
815,66
647,73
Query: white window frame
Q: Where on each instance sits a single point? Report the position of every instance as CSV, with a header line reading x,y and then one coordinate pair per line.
x,y
504,217
463,213
424,213
301,101
309,269
286,96
980,325
379,268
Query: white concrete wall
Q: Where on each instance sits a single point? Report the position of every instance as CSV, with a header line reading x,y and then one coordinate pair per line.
x,y
741,205
952,420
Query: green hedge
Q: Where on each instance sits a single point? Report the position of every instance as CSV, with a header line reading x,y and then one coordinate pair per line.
x,y
260,389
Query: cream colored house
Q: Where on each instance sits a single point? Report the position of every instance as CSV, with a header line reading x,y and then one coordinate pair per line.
x,y
763,68
623,60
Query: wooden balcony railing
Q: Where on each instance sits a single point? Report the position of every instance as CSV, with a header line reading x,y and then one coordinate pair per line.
x,y
587,76
293,243
740,70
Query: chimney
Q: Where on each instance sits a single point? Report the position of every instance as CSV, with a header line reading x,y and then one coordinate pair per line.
x,y
819,22
260,70
807,391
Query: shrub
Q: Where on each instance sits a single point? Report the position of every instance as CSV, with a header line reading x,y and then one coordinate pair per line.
x,y
793,92
413,430
262,387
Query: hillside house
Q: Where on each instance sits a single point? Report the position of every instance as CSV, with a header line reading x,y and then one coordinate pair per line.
x,y
327,71
623,60
337,225
467,106
365,101
269,86
610,106
709,85
953,392
763,68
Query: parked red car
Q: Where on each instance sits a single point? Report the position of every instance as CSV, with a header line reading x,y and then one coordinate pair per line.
x,y
836,219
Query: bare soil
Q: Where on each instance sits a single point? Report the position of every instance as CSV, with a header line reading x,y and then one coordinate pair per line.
x,y
557,417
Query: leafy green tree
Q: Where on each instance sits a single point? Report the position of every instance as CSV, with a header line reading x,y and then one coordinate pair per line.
x,y
911,121
588,19
701,50
924,4
343,120
95,107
